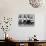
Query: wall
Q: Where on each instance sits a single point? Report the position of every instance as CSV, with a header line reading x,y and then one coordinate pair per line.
x,y
12,8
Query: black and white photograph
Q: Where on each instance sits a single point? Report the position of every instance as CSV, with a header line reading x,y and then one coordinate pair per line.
x,y
26,20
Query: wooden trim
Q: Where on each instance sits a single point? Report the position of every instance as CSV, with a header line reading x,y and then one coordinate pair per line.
x,y
2,40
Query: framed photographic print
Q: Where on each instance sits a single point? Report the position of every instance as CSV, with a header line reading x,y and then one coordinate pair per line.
x,y
26,20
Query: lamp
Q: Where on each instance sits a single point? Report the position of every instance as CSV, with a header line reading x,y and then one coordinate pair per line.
x,y
35,3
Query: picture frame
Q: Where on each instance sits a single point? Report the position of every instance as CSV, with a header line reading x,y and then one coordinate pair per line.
x,y
26,20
